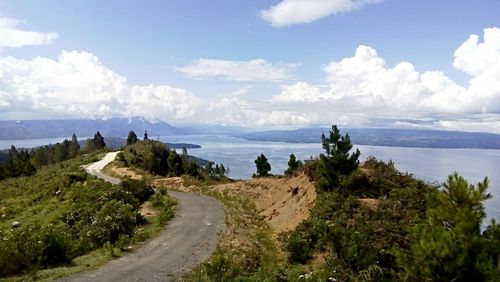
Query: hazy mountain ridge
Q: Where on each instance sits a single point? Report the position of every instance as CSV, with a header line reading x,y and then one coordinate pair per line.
x,y
386,137
31,129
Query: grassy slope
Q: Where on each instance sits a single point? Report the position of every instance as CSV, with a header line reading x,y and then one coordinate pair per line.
x,y
43,198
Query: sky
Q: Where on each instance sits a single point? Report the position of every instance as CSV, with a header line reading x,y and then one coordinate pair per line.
x,y
258,64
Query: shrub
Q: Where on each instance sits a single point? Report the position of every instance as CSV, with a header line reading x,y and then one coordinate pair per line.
x,y
220,268
299,248
140,189
114,218
55,246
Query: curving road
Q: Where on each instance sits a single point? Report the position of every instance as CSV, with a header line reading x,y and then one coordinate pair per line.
x,y
187,240
96,168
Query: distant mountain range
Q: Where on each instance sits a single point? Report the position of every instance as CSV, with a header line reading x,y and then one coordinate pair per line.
x,y
119,127
116,127
386,137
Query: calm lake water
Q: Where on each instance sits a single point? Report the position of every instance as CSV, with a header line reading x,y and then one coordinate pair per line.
x,y
432,165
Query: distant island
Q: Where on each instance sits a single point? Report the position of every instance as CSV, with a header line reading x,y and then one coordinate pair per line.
x,y
118,142
386,137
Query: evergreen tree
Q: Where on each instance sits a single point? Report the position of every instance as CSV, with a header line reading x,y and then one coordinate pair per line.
x,y
448,245
293,165
209,169
337,161
222,170
39,158
175,164
146,135
95,144
99,141
192,169
185,155
74,146
61,151
131,138
263,166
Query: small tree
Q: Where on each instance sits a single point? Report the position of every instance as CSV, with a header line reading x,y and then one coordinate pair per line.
x,y
131,138
175,164
263,166
95,144
293,165
209,168
185,155
74,146
146,135
222,170
217,170
448,244
99,141
337,161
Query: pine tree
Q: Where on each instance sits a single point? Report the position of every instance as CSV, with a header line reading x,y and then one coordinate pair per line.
x,y
222,170
61,151
293,165
217,170
74,146
175,164
263,166
131,138
99,141
448,245
185,155
337,161
209,169
95,144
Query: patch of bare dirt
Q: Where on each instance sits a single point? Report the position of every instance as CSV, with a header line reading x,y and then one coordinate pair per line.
x,y
283,202
125,172
370,203
169,182
147,210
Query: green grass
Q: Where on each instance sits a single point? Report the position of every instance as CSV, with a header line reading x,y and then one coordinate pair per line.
x,y
246,250
44,199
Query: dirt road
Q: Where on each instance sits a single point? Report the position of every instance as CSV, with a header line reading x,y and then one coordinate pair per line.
x,y
187,240
96,168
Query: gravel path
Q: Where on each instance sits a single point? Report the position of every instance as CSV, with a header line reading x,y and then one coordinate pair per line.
x,y
187,240
96,168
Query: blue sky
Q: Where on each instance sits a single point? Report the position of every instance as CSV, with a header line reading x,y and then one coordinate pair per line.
x,y
287,63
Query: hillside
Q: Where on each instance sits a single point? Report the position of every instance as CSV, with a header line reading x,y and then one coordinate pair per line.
x,y
386,137
61,220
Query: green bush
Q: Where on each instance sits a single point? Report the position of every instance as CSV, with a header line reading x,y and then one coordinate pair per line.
x,y
157,200
112,220
26,248
140,189
220,268
55,246
299,248
167,209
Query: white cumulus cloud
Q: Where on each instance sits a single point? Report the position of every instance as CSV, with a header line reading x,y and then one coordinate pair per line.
x,y
77,84
364,84
361,90
252,70
11,36
300,92
289,12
